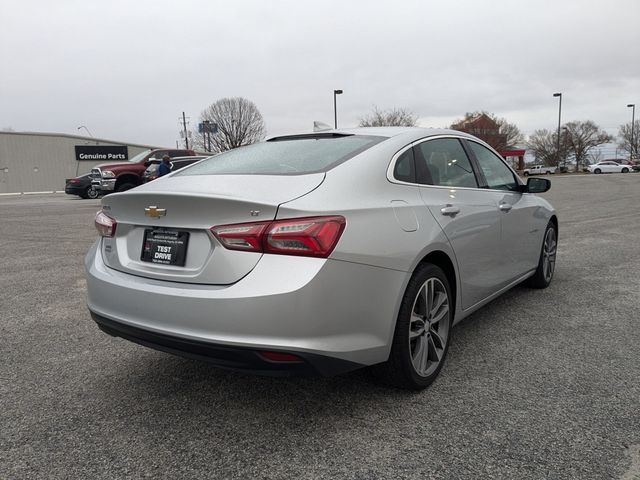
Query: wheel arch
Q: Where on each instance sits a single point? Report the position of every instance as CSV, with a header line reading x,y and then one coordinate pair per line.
x,y
128,178
442,260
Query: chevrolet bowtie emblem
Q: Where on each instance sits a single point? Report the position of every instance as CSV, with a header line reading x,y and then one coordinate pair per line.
x,y
155,212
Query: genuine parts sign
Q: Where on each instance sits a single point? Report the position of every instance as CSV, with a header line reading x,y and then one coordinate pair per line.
x,y
102,152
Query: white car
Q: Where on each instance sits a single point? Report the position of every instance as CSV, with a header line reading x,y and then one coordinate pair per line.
x,y
609,166
538,170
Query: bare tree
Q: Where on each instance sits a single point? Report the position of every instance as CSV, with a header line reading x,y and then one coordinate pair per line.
x,y
582,137
508,135
394,117
238,122
512,132
624,138
544,146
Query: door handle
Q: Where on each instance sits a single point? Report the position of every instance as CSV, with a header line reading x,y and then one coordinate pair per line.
x,y
450,211
505,207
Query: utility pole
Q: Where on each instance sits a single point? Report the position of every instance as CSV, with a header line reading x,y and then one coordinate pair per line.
x,y
186,135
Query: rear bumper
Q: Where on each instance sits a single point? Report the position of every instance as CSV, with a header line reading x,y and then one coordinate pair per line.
x,y
75,190
336,315
223,356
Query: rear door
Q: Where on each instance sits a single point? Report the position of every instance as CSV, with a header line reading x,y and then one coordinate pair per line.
x,y
467,214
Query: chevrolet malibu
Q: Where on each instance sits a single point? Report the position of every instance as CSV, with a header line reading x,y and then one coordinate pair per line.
x,y
321,253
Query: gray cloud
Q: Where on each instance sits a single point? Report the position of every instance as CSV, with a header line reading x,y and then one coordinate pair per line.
x,y
128,69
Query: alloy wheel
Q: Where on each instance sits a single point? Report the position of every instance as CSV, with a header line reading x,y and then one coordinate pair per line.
x,y
429,327
549,254
92,193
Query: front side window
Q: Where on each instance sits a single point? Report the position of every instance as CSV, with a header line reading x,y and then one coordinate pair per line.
x,y
496,173
444,162
286,156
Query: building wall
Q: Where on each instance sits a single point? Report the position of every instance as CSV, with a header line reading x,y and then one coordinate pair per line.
x,y
485,129
40,162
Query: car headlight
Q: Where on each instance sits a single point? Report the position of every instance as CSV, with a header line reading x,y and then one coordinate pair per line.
x,y
108,174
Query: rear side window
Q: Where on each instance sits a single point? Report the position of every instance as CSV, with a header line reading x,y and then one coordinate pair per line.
x,y
444,162
404,169
289,156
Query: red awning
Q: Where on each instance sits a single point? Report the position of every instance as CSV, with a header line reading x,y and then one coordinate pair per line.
x,y
512,153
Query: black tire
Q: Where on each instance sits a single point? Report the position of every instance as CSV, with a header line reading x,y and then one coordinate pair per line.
x,y
597,170
91,193
547,261
526,174
547,172
625,170
409,341
123,187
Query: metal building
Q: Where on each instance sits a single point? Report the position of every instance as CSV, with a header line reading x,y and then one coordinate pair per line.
x,y
40,162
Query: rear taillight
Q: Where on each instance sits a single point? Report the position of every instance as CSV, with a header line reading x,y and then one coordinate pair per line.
x,y
74,181
309,237
105,225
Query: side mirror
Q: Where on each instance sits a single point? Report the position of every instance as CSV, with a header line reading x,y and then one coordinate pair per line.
x,y
537,185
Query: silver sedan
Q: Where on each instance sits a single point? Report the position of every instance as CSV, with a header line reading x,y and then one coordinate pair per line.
x,y
321,253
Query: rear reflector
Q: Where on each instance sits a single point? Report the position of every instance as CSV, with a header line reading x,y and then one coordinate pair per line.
x,y
310,237
281,357
105,225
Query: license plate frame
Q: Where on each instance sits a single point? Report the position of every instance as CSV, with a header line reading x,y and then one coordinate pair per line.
x,y
161,246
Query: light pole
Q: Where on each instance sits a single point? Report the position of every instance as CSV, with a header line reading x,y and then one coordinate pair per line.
x,y
82,126
559,116
335,110
633,124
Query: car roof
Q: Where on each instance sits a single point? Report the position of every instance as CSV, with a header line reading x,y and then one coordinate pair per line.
x,y
409,133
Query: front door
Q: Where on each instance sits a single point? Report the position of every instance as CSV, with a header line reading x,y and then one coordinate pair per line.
x,y
521,228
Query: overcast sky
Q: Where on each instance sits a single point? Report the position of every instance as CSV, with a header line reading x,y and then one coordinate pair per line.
x,y
127,70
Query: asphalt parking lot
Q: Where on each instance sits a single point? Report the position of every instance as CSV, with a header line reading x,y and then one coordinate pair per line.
x,y
538,384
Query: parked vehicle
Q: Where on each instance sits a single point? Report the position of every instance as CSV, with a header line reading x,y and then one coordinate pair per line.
x,y
538,170
81,186
321,253
119,177
609,166
151,173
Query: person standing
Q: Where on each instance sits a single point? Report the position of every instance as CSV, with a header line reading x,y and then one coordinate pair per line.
x,y
165,166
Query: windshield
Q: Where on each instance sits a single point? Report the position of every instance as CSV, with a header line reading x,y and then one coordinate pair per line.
x,y
138,158
286,156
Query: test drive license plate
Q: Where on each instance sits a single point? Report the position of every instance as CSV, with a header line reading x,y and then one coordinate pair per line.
x,y
168,247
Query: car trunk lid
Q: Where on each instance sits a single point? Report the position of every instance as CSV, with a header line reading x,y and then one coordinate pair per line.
x,y
163,227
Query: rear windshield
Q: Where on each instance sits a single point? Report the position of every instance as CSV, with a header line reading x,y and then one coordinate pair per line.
x,y
285,156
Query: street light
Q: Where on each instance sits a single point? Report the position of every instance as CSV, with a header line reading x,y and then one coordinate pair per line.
x,y
559,116
633,124
335,110
82,126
